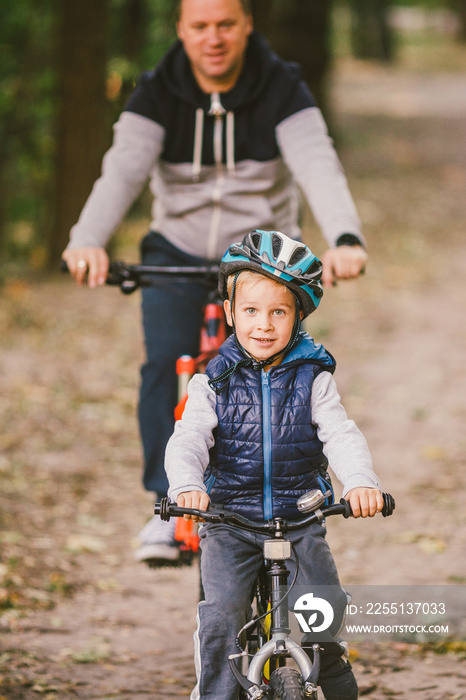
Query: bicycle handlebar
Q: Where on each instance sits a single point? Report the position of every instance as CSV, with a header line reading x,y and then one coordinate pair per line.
x,y
218,514
129,277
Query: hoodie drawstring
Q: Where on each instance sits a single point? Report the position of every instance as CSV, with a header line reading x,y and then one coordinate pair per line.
x,y
231,142
198,136
218,111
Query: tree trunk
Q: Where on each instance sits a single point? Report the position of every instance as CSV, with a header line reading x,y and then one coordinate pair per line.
x,y
371,36
82,130
299,30
460,6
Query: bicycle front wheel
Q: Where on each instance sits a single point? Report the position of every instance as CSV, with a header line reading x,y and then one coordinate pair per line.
x,y
287,684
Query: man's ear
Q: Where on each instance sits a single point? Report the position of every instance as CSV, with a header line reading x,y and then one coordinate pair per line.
x,y
227,309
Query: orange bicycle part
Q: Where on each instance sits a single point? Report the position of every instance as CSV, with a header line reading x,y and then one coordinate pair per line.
x,y
186,534
213,334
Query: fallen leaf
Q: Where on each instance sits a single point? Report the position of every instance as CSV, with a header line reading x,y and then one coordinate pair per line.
x,y
84,543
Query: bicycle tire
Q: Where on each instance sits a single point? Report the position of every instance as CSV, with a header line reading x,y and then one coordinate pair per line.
x,y
287,684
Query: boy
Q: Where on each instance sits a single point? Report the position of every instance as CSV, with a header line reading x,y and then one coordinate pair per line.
x,y
258,431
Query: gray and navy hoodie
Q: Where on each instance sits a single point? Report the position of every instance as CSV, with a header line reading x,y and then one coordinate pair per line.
x,y
268,437
220,164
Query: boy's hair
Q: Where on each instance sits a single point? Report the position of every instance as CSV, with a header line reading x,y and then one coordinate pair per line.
x,y
248,276
245,4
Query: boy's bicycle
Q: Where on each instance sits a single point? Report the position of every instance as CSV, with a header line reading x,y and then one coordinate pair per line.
x,y
260,664
131,277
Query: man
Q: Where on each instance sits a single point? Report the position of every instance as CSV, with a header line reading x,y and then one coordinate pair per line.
x,y
224,129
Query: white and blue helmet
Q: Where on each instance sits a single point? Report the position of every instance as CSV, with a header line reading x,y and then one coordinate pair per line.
x,y
282,259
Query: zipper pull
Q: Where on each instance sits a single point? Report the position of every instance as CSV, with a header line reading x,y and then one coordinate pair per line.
x,y
216,107
265,378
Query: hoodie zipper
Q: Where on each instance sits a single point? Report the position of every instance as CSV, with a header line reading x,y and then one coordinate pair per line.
x,y
267,445
218,111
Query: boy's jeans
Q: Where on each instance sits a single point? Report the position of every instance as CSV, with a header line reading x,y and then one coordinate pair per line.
x,y
230,561
172,319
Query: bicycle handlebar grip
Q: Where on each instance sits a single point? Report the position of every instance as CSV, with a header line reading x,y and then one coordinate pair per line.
x,y
389,504
347,506
64,266
163,509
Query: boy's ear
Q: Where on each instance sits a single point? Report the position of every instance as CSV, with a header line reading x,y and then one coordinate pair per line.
x,y
227,309
301,314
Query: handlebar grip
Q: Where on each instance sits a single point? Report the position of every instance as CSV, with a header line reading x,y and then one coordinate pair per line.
x,y
348,511
64,266
389,504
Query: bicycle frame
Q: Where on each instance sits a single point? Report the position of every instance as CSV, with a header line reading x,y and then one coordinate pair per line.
x,y
277,550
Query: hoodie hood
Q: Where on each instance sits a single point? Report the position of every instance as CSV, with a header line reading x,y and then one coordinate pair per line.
x,y
260,62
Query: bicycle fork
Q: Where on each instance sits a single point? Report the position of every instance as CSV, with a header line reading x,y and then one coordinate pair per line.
x,y
276,552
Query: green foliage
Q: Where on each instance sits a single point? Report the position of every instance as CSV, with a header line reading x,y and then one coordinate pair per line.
x,y
140,31
26,111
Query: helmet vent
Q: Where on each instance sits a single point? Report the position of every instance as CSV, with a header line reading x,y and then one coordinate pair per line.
x,y
297,255
277,245
256,239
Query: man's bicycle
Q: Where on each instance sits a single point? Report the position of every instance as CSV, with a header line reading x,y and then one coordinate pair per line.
x,y
131,277
259,666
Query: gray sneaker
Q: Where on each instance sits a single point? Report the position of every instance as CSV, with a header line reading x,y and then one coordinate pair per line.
x,y
158,541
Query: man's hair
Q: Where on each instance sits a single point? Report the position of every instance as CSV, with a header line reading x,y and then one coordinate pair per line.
x,y
245,4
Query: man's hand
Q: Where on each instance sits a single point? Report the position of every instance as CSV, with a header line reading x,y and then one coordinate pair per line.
x,y
365,502
90,261
342,263
193,499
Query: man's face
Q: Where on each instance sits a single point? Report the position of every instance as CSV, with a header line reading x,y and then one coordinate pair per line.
x,y
215,35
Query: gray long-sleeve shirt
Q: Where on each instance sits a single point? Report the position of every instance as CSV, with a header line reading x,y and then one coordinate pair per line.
x,y
220,165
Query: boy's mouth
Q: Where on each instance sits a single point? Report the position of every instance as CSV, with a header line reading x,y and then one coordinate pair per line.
x,y
264,341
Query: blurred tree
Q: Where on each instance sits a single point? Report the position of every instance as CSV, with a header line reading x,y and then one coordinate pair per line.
x,y
460,8
81,132
299,30
26,105
109,41
371,35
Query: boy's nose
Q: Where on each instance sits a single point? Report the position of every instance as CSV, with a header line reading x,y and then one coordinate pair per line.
x,y
264,323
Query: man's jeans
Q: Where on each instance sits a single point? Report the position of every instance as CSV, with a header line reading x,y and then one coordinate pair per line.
x,y
230,561
172,319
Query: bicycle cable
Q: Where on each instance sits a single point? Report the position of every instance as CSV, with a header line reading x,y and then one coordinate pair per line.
x,y
255,620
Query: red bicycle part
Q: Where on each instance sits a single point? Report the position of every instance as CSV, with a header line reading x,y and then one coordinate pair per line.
x,y
186,533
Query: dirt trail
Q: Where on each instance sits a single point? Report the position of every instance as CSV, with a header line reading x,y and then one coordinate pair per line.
x,y
80,619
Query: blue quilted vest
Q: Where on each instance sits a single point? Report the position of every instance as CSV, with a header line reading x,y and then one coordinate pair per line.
x,y
267,453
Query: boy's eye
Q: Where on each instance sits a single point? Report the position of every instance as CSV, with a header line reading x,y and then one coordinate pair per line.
x,y
251,310
279,312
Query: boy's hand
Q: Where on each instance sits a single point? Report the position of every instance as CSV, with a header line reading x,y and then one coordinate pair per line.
x,y
193,499
365,502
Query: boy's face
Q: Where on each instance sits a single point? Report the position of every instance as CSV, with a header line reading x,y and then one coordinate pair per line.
x,y
264,314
